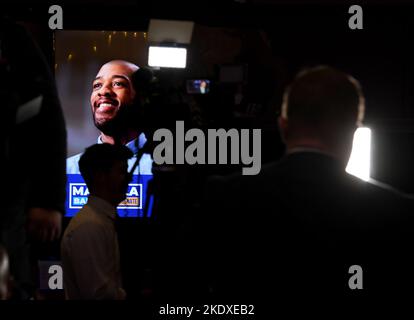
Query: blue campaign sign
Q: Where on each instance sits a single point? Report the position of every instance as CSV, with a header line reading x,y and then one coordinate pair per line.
x,y
138,202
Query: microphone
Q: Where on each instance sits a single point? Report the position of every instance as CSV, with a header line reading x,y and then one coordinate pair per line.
x,y
146,148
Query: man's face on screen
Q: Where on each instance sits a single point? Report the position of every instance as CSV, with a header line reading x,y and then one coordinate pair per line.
x,y
112,94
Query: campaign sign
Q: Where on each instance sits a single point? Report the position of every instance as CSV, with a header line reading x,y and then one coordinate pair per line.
x,y
138,202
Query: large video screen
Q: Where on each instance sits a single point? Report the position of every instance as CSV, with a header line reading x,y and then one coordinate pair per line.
x,y
79,56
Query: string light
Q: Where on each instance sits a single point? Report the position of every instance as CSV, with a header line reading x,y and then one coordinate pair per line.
x,y
95,48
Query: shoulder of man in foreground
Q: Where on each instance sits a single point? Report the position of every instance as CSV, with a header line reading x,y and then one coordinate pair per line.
x,y
84,224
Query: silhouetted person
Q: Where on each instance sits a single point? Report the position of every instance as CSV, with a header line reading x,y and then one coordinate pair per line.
x,y
294,230
89,248
33,151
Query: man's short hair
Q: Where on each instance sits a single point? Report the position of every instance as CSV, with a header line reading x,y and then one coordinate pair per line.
x,y
323,95
101,158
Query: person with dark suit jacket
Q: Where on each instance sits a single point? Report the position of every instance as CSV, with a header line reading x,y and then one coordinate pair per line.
x,y
303,226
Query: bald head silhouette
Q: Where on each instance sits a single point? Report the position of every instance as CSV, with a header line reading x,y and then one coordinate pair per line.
x,y
322,109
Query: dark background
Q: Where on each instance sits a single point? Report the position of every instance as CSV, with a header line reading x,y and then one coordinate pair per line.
x,y
275,39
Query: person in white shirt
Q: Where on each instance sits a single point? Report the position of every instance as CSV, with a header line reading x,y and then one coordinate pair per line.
x,y
89,247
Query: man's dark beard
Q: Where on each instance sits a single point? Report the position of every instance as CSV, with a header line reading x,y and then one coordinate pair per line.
x,y
126,119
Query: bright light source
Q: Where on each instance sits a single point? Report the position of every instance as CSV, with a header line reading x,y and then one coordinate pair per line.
x,y
360,159
168,57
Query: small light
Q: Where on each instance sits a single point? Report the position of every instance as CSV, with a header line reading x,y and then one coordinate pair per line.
x,y
56,66
135,34
125,34
110,39
70,56
94,48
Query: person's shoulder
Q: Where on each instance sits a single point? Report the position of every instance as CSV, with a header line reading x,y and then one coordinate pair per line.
x,y
72,164
391,195
383,187
145,164
74,158
84,233
381,201
85,221
377,189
